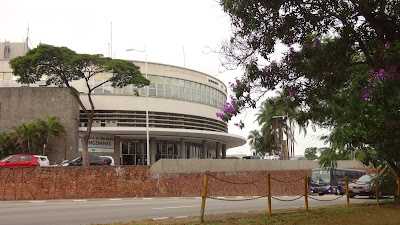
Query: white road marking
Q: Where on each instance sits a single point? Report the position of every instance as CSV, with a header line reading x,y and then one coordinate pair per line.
x,y
160,218
239,197
117,204
115,199
80,200
197,197
147,198
220,197
178,207
37,201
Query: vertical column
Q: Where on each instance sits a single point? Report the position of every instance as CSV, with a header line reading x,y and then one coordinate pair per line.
x,y
183,148
205,150
153,148
141,156
217,150
224,151
191,151
117,150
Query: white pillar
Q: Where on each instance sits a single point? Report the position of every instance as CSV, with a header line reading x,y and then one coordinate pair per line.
x,y
153,150
217,150
224,151
205,150
183,148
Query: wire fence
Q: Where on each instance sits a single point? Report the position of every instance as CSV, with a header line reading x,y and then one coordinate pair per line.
x,y
306,191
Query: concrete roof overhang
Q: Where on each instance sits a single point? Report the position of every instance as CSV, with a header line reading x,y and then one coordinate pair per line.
x,y
231,140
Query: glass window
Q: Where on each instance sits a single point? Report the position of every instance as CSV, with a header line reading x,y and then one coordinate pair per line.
x,y
174,92
143,91
167,87
14,159
107,88
188,91
26,158
207,95
203,94
132,148
160,86
124,147
174,81
98,90
181,84
152,86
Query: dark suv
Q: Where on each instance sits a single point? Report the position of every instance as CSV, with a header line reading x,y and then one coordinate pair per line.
x,y
94,160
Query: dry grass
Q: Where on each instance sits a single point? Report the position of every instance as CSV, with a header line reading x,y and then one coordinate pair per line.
x,y
365,214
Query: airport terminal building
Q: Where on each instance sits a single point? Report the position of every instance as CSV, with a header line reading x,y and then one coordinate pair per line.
x,y
175,114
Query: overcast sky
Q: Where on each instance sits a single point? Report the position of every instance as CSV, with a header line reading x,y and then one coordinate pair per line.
x,y
176,32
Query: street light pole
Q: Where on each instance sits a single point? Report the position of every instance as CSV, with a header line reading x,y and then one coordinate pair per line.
x,y
147,105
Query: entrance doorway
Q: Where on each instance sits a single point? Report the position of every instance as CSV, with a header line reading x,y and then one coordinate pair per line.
x,y
132,152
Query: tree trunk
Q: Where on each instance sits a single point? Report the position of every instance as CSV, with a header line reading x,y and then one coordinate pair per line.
x,y
85,150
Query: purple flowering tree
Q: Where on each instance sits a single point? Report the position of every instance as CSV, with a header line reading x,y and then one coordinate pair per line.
x,y
341,68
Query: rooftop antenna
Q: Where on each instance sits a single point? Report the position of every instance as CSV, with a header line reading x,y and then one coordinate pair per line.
x,y
111,54
26,46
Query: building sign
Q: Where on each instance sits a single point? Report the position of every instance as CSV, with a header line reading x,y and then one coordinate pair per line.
x,y
98,142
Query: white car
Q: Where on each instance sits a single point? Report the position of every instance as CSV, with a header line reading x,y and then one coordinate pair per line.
x,y
43,160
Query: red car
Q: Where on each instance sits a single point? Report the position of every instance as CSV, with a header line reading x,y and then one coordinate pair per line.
x,y
19,160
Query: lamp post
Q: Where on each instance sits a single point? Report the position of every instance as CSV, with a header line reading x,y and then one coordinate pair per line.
x,y
147,107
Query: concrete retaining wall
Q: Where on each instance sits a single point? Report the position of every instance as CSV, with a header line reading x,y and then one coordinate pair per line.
x,y
230,165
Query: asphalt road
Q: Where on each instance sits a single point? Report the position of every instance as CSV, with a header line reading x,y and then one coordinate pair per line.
x,y
92,211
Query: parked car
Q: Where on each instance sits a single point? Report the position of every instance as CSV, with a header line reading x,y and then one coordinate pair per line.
x,y
365,186
19,160
252,157
94,160
43,160
272,157
109,159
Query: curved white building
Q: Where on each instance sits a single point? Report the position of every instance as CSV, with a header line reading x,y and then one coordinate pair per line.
x,y
182,106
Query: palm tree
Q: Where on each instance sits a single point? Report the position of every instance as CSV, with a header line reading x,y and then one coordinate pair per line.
x,y
7,144
48,129
278,119
24,136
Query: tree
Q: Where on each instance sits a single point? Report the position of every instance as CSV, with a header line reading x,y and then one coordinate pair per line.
x,y
311,153
277,119
48,129
60,66
7,144
256,142
340,68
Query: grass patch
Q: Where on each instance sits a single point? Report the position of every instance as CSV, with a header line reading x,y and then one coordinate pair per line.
x,y
367,214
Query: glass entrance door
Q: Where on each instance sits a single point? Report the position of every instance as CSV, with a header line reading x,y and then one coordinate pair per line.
x,y
132,153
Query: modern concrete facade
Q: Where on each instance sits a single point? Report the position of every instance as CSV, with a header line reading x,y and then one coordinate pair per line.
x,y
181,104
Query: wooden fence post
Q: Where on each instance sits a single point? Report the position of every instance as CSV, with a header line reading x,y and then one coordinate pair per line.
x,y
306,192
203,198
269,193
347,191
